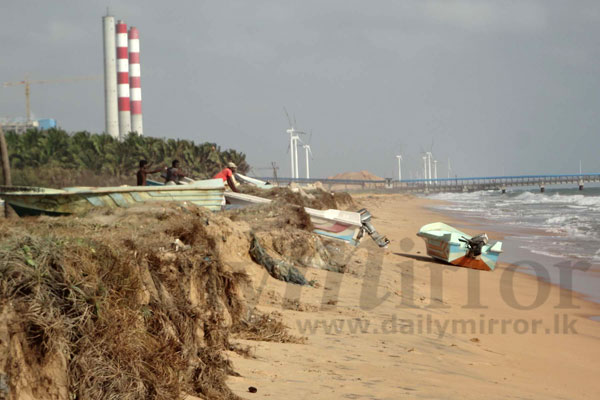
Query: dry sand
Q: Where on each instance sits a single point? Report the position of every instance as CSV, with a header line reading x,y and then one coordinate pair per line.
x,y
399,363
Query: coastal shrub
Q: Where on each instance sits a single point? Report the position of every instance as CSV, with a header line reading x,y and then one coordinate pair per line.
x,y
107,307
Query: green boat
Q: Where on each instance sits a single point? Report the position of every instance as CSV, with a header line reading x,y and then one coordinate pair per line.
x,y
44,201
448,244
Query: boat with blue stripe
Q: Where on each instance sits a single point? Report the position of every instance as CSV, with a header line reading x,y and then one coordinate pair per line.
x,y
45,201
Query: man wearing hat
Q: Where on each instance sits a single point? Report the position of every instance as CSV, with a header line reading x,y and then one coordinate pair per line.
x,y
227,175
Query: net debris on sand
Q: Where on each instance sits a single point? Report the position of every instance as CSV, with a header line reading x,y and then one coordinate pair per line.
x,y
279,269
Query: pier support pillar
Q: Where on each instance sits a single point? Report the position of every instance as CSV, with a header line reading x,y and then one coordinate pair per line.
x,y
580,184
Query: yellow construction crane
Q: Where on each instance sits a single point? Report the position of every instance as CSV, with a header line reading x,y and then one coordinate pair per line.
x,y
27,83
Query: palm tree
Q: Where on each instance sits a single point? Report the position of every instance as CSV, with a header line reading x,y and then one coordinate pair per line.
x,y
104,155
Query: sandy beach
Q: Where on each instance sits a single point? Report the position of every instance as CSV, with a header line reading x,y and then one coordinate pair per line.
x,y
398,325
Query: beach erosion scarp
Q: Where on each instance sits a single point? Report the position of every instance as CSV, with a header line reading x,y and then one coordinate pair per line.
x,y
171,296
143,302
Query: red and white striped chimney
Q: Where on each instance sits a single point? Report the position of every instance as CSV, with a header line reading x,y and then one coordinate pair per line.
x,y
123,80
135,81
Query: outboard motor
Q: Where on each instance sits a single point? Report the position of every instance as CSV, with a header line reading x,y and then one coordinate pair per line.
x,y
367,226
475,244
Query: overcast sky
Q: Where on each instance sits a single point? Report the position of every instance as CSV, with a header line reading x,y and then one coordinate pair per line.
x,y
499,87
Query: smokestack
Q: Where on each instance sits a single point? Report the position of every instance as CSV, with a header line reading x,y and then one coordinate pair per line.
x,y
135,81
111,112
123,80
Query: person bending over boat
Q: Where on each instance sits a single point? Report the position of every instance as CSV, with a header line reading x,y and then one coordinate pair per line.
x,y
143,172
174,174
227,175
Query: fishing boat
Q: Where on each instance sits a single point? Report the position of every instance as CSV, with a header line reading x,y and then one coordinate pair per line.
x,y
38,201
337,224
253,181
243,200
448,244
347,226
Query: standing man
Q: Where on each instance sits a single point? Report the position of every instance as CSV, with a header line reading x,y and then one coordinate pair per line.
x,y
227,175
144,171
174,174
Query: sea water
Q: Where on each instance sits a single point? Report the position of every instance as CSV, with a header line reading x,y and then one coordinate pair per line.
x,y
556,229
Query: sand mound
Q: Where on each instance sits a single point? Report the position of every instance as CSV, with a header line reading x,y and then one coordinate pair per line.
x,y
361,175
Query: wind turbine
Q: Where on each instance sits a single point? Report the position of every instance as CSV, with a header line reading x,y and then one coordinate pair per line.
x,y
429,157
307,150
293,147
399,157
425,156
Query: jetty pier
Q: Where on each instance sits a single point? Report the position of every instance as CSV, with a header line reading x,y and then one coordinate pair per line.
x,y
468,184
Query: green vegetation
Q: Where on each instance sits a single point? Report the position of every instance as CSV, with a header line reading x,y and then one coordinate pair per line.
x,y
54,158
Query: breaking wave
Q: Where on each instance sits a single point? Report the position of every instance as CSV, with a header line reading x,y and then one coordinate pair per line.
x,y
569,219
